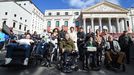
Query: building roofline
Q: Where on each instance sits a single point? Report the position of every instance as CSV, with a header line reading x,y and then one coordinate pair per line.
x,y
23,8
61,9
22,1
37,7
32,3
17,4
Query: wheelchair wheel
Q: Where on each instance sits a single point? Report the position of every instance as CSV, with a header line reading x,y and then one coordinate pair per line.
x,y
123,67
75,68
88,64
59,63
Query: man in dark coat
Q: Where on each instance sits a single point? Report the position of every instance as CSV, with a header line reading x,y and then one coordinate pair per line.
x,y
80,41
90,34
125,42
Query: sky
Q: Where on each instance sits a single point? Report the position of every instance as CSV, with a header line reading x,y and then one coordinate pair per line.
x,y
76,4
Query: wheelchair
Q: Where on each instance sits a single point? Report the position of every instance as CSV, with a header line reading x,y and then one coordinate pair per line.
x,y
53,52
68,62
114,65
18,56
92,59
40,53
45,53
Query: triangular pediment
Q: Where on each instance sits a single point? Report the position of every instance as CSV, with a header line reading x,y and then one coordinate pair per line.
x,y
105,7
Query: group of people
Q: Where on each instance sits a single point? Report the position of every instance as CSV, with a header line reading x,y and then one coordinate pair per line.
x,y
72,41
115,51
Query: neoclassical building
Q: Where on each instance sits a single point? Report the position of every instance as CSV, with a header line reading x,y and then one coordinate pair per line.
x,y
105,15
99,16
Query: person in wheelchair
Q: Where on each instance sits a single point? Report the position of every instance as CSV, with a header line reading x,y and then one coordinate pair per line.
x,y
67,47
41,46
114,56
90,49
25,44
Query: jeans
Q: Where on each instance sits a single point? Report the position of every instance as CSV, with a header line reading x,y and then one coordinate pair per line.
x,y
93,58
65,55
41,48
10,49
12,46
27,49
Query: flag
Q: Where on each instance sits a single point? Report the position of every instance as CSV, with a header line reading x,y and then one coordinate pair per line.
x,y
6,29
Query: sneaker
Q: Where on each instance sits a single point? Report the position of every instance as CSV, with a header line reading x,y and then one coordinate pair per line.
x,y
8,60
26,62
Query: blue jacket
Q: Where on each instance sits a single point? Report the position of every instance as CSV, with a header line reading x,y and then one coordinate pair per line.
x,y
3,37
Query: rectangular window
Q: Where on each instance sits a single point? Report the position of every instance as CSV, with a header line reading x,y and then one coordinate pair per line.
x,y
4,22
76,13
20,27
57,23
66,23
20,18
49,23
49,14
58,13
25,28
77,23
25,20
14,24
6,13
66,13
15,15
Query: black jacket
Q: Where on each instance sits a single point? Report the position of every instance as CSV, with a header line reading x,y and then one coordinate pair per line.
x,y
88,35
125,41
80,35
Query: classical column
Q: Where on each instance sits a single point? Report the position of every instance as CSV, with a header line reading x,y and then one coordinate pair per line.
x,y
100,24
110,26
126,28
123,24
84,24
118,25
92,23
